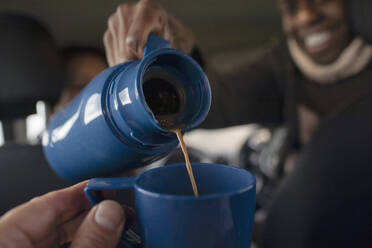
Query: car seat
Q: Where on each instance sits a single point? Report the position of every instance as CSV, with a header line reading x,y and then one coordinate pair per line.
x,y
29,72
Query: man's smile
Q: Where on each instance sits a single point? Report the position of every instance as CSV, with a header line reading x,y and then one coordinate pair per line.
x,y
318,41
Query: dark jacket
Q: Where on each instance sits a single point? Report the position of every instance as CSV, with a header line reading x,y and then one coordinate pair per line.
x,y
326,200
269,89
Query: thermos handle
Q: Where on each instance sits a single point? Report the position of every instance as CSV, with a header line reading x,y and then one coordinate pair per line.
x,y
155,42
129,239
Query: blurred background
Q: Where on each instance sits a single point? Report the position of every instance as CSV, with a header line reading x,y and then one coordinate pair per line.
x,y
218,24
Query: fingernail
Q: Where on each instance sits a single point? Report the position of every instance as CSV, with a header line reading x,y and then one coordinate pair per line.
x,y
109,215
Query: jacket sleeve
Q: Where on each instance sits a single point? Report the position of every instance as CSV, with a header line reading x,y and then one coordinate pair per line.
x,y
252,93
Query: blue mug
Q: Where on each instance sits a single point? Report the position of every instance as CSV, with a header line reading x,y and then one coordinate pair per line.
x,y
170,216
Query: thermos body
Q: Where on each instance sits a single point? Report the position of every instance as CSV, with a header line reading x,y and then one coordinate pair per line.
x,y
112,125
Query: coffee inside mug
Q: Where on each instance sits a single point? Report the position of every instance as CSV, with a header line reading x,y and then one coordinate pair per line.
x,y
212,180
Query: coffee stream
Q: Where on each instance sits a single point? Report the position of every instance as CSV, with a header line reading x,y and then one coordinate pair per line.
x,y
187,160
164,101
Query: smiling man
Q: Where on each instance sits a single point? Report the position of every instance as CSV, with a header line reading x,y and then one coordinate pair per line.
x,y
320,39
319,28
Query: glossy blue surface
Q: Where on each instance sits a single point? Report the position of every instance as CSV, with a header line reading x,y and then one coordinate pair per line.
x,y
109,128
170,216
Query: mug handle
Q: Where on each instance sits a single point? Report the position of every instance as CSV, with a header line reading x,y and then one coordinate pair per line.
x,y
129,239
155,42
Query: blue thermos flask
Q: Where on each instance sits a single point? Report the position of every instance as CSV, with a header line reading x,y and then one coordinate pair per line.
x,y
124,117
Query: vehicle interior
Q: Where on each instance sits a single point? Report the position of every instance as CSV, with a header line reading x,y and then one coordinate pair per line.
x,y
229,34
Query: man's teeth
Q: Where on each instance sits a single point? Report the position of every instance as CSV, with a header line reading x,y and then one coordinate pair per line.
x,y
317,39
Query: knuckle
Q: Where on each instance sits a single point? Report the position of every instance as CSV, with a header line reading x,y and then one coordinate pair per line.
x,y
36,199
112,20
121,10
131,42
163,19
106,36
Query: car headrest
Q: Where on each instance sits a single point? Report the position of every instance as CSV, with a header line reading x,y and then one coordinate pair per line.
x,y
30,67
361,18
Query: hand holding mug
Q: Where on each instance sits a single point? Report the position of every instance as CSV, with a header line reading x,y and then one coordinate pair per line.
x,y
63,216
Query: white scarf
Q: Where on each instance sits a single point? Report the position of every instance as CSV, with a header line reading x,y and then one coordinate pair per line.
x,y
351,61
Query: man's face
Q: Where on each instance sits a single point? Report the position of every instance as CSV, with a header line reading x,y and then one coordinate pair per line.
x,y
319,26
